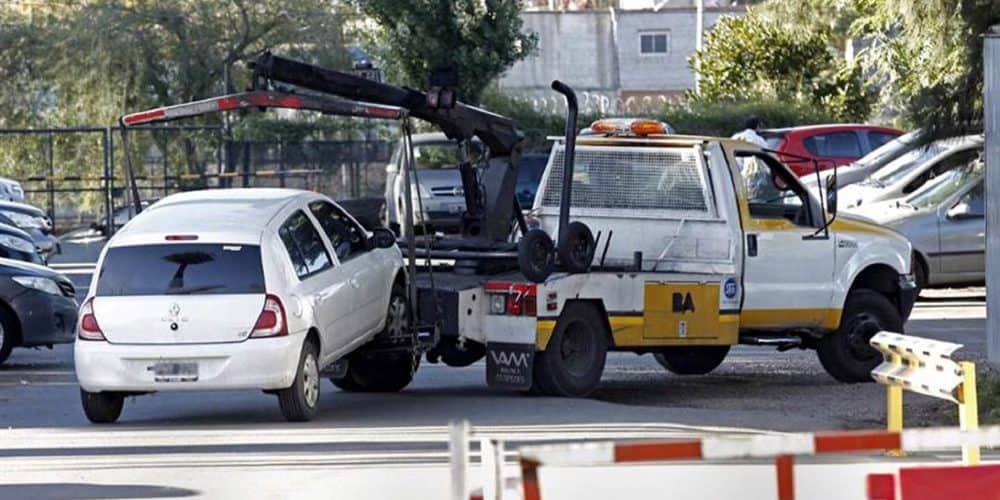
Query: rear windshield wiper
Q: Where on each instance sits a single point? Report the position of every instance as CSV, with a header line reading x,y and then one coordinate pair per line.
x,y
193,290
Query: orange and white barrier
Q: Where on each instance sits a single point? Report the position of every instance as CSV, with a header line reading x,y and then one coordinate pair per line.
x,y
780,447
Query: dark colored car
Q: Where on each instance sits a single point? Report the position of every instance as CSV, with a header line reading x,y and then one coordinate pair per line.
x,y
18,245
33,221
529,174
37,307
829,145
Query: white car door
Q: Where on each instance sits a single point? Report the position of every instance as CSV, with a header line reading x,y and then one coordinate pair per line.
x,y
788,267
365,271
322,284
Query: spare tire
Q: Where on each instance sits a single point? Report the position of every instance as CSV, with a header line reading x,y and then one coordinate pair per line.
x,y
576,249
536,255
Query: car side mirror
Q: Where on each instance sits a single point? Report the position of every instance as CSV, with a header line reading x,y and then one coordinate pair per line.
x,y
383,238
831,194
962,211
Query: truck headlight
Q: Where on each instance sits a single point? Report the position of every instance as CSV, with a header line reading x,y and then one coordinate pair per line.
x,y
16,243
41,284
24,220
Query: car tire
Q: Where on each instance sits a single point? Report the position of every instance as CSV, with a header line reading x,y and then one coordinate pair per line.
x,y
383,372
536,255
573,362
102,407
845,353
8,334
692,360
300,401
576,249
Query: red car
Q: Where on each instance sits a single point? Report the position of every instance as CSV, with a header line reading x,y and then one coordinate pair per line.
x,y
830,145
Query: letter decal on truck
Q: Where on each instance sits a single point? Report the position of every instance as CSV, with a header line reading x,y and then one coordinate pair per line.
x,y
683,303
508,365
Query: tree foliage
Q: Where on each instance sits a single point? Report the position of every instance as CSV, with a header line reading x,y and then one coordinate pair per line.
x,y
752,58
478,38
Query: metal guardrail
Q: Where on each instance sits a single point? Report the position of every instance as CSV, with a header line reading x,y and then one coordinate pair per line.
x,y
925,366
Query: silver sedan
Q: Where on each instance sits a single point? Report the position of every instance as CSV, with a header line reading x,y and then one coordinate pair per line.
x,y
946,222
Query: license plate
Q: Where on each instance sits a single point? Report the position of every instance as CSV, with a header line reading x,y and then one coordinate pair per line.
x,y
174,371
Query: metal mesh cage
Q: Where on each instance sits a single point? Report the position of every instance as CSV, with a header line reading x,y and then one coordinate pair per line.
x,y
630,178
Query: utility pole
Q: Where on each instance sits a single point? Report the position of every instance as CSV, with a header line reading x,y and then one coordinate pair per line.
x,y
991,115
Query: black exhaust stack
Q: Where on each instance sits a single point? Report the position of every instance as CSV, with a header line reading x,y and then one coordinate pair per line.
x,y
569,152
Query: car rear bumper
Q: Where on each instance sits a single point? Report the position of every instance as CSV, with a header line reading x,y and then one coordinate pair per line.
x,y
45,319
267,363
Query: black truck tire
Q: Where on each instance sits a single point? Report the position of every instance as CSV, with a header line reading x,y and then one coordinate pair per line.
x,y
536,255
102,407
692,360
573,362
845,353
300,401
577,249
8,334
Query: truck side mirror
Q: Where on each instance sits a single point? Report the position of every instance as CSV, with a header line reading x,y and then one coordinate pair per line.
x,y
383,238
831,194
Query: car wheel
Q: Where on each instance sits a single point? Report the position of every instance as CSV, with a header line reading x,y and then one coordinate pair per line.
x,y
8,334
102,407
573,362
384,372
692,360
299,402
845,353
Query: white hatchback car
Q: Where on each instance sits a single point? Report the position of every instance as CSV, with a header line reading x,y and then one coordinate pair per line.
x,y
236,288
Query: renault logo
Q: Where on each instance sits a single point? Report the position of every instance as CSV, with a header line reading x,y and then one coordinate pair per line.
x,y
175,310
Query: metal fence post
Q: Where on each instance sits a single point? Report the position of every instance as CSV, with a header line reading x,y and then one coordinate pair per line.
x,y
991,116
458,449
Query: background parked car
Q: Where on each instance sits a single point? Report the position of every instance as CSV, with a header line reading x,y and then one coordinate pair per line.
x,y
33,221
830,145
437,188
868,164
945,220
38,308
11,190
18,245
909,172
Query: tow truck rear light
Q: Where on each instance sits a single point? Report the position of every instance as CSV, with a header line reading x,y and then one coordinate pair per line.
x,y
513,299
181,237
89,329
271,321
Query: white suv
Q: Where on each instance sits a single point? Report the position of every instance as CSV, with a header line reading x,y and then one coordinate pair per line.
x,y
235,288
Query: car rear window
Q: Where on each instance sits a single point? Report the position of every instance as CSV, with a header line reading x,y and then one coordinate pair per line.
x,y
837,145
181,269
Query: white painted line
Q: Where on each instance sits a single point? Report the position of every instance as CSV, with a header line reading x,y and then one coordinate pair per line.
x,y
718,447
569,455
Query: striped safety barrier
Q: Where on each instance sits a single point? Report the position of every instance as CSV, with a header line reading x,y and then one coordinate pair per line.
x,y
782,447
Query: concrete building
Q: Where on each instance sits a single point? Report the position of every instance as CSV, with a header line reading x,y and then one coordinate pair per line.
x,y
618,60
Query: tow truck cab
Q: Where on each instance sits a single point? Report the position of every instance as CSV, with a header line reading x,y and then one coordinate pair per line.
x,y
702,243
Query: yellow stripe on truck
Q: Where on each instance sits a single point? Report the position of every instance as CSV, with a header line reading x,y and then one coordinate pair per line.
x,y
785,318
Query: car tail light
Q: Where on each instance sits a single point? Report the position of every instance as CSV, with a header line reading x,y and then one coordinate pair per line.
x,y
271,321
181,237
89,329
515,299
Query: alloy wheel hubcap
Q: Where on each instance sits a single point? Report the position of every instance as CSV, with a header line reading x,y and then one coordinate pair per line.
x,y
310,380
397,318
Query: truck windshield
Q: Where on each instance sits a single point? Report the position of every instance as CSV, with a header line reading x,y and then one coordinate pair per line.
x,y
181,269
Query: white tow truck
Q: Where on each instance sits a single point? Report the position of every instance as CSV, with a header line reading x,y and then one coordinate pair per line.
x,y
702,243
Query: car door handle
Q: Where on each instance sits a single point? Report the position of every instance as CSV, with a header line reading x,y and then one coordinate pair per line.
x,y
354,282
751,245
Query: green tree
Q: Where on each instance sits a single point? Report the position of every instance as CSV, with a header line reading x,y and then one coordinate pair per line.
x,y
478,38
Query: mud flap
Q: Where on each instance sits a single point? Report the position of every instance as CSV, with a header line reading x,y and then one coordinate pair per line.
x,y
509,365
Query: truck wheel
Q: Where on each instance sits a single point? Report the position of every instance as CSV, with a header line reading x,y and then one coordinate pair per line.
x,y
376,372
845,353
577,251
692,360
8,335
536,255
102,407
572,364
299,402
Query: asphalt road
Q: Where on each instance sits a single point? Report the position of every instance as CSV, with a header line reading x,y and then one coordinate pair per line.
x,y
226,444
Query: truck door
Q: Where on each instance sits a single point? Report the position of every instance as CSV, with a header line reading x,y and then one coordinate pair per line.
x,y
788,267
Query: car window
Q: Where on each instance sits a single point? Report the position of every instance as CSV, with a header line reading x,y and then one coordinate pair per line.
x,y
889,151
435,155
304,245
181,269
348,240
877,139
945,186
837,144
772,192
899,168
976,200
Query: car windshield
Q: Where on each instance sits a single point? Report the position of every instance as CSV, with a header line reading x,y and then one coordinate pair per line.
x,y
882,154
897,169
181,269
437,155
945,185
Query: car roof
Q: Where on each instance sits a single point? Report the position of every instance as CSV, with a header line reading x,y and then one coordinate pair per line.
x,y
14,230
237,215
830,127
20,207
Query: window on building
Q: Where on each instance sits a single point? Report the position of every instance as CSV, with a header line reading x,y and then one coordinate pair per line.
x,y
654,43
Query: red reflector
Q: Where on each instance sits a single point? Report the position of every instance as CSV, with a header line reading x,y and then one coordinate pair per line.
x,y
181,237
